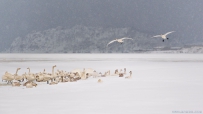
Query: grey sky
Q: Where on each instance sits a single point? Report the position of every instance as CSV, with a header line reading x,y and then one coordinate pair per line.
x,y
20,17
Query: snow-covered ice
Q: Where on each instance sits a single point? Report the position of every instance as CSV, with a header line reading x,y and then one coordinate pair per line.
x,y
161,84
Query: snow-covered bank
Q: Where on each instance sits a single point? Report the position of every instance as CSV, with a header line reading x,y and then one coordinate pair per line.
x,y
161,84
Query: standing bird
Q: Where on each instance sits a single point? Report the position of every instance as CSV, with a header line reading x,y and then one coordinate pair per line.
x,y
119,40
163,36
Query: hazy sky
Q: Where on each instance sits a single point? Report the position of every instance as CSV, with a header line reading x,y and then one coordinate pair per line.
x,y
20,17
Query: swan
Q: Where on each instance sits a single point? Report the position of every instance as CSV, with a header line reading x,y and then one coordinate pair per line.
x,y
16,84
89,72
83,75
53,75
73,77
26,83
66,79
99,81
103,75
108,73
57,79
119,40
95,74
115,73
163,36
121,73
17,77
77,71
129,76
53,83
43,77
5,76
29,84
30,76
39,77
46,78
34,84
124,70
12,77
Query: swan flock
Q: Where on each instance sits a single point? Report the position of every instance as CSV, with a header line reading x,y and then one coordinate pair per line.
x,y
30,79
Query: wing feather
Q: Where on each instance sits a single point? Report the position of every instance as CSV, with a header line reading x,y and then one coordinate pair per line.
x,y
111,42
169,32
126,38
156,36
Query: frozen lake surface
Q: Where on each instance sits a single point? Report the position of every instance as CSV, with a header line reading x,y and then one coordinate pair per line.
x,y
161,84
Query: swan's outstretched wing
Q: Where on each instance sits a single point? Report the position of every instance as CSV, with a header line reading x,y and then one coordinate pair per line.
x,y
169,32
156,36
111,42
126,38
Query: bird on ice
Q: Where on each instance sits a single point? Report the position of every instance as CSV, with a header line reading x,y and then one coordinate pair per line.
x,y
119,40
163,36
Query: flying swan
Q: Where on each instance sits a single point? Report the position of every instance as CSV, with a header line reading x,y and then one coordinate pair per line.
x,y
119,40
163,36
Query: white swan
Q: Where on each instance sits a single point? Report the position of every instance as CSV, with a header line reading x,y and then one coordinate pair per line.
x,y
30,76
108,73
16,84
127,77
39,77
115,73
163,36
119,40
88,72
29,84
5,76
99,81
124,70
11,78
17,77
77,71
95,74
103,75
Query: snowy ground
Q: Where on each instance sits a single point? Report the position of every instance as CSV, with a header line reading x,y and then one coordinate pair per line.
x,y
161,84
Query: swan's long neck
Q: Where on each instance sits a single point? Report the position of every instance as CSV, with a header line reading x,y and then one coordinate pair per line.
x,y
53,70
16,72
28,70
84,70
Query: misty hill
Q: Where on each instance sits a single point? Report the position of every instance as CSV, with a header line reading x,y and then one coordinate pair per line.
x,y
192,49
82,39
196,49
